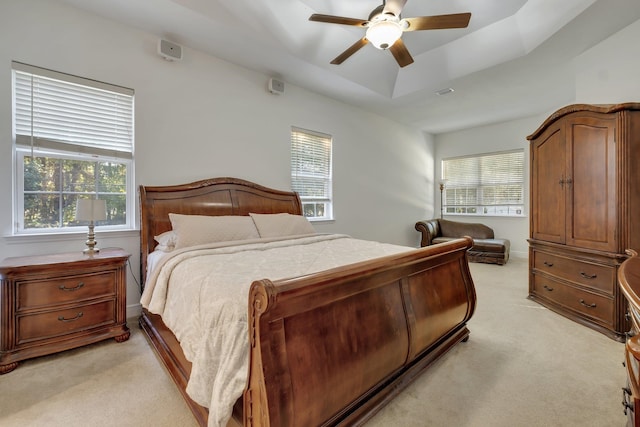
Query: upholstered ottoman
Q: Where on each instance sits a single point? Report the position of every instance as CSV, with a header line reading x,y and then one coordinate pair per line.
x,y
491,251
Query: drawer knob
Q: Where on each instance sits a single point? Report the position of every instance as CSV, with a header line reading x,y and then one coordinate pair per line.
x,y
75,288
587,305
548,288
588,276
548,264
63,319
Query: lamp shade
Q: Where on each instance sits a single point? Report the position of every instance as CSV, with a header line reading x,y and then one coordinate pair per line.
x,y
91,210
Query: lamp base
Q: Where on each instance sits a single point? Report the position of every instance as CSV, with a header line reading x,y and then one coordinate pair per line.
x,y
91,242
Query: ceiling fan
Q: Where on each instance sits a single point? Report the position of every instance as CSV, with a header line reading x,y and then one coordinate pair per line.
x,y
385,27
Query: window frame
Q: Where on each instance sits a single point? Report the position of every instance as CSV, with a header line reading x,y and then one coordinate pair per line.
x,y
479,186
60,149
21,153
327,178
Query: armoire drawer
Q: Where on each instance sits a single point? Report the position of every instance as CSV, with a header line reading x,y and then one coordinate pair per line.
x,y
586,303
59,290
588,274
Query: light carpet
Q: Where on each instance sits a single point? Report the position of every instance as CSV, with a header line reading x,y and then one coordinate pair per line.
x,y
522,366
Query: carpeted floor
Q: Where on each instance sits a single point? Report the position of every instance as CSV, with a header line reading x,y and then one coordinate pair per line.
x,y
522,366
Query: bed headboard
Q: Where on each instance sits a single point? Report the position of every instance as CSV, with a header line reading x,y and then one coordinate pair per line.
x,y
213,197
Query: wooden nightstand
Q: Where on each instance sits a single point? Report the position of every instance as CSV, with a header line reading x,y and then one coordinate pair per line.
x,y
52,303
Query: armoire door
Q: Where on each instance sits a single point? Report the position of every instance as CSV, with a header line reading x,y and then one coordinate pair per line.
x,y
548,165
591,183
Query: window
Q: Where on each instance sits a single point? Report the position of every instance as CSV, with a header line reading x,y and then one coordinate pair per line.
x,y
73,138
488,184
311,172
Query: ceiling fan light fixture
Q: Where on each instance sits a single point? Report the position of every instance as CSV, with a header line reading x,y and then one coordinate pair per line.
x,y
383,34
385,27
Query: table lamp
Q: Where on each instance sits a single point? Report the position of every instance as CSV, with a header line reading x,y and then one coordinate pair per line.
x,y
91,210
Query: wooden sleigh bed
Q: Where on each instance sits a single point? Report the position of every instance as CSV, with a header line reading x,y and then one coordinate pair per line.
x,y
380,322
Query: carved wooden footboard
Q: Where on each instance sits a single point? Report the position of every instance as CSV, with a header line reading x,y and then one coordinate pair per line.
x,y
332,348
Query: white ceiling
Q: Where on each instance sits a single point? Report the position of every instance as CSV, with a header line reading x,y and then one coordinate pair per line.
x,y
515,59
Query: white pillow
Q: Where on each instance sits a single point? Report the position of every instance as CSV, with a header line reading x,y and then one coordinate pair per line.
x,y
166,241
194,230
282,224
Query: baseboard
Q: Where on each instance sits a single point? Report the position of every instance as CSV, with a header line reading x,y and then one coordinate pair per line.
x,y
519,255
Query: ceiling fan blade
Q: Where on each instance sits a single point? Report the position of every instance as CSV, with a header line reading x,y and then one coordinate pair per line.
x,y
394,6
350,51
401,53
438,22
338,20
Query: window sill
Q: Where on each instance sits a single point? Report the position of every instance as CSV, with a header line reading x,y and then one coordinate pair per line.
x,y
322,221
68,236
485,216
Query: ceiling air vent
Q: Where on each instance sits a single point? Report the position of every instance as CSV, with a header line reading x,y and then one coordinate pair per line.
x,y
445,91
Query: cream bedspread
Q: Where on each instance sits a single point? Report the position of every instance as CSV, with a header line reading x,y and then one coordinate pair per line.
x,y
202,295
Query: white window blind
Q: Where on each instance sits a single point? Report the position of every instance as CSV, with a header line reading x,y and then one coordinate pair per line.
x,y
73,139
311,171
62,112
487,184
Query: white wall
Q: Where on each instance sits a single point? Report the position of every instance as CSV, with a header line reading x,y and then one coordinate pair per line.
x,y
606,73
204,117
486,139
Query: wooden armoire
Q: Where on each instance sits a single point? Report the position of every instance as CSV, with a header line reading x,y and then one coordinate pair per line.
x,y
585,211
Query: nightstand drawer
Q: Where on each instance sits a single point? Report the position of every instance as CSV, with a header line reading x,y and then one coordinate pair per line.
x,y
54,323
593,275
64,289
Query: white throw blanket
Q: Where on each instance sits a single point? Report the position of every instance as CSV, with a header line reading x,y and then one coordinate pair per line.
x,y
202,295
